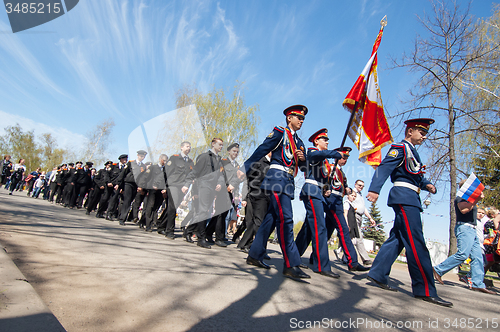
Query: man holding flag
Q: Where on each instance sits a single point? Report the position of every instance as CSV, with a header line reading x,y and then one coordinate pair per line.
x,y
370,132
470,192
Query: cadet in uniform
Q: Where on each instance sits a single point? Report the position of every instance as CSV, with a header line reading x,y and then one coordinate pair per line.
x,y
257,202
226,199
288,154
112,211
317,176
402,163
107,191
178,167
209,180
83,182
129,176
100,181
69,186
335,212
154,181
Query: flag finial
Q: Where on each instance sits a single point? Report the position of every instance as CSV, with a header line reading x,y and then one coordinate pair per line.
x,y
383,22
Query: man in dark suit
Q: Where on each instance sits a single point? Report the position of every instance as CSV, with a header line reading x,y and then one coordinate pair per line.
x,y
210,180
154,182
257,202
402,163
112,211
178,167
129,176
69,180
226,200
101,179
83,182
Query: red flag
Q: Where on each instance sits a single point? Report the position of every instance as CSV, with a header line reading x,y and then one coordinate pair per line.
x,y
369,129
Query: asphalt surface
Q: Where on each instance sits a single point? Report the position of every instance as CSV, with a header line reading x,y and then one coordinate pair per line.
x,y
80,273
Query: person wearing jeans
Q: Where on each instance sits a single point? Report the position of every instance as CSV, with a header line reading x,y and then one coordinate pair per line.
x,y
467,245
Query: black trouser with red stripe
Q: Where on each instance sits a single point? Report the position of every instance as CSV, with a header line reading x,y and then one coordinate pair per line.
x,y
335,220
407,233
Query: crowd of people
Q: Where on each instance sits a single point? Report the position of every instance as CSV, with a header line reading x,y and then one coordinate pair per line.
x,y
152,195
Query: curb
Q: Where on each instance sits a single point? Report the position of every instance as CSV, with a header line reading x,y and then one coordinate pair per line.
x,y
21,309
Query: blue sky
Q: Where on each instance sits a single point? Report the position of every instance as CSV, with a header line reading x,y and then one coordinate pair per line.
x,y
124,59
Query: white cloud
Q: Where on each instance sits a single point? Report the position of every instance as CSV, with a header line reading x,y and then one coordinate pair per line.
x,y
65,139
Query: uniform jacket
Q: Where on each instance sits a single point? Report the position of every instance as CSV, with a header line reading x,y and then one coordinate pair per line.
x,y
318,169
61,174
155,177
131,172
207,171
101,178
402,163
282,144
83,176
255,178
115,174
231,174
178,170
70,175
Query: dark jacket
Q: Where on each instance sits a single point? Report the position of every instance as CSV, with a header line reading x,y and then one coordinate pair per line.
x,y
155,177
178,170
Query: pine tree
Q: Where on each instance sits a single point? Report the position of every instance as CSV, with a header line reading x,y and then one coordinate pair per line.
x,y
487,169
375,233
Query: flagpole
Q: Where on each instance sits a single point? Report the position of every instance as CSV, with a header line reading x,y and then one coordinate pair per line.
x,y
383,23
347,131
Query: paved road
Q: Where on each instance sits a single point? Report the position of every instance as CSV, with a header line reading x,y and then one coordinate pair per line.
x,y
95,275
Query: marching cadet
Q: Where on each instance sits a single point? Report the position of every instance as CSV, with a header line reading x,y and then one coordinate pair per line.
x,y
231,167
154,182
112,211
129,176
209,180
288,154
402,163
83,182
60,183
335,211
69,186
226,200
257,202
107,191
178,167
101,179
317,177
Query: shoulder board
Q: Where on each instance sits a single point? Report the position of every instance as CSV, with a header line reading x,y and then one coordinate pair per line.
x,y
175,155
114,164
131,160
225,159
279,128
312,148
398,145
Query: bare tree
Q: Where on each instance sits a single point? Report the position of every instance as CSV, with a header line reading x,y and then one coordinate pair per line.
x,y
98,141
451,52
219,115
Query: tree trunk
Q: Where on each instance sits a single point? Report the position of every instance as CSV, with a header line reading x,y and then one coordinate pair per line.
x,y
453,162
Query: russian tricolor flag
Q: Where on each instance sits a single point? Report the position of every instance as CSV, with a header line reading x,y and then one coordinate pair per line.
x,y
471,189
